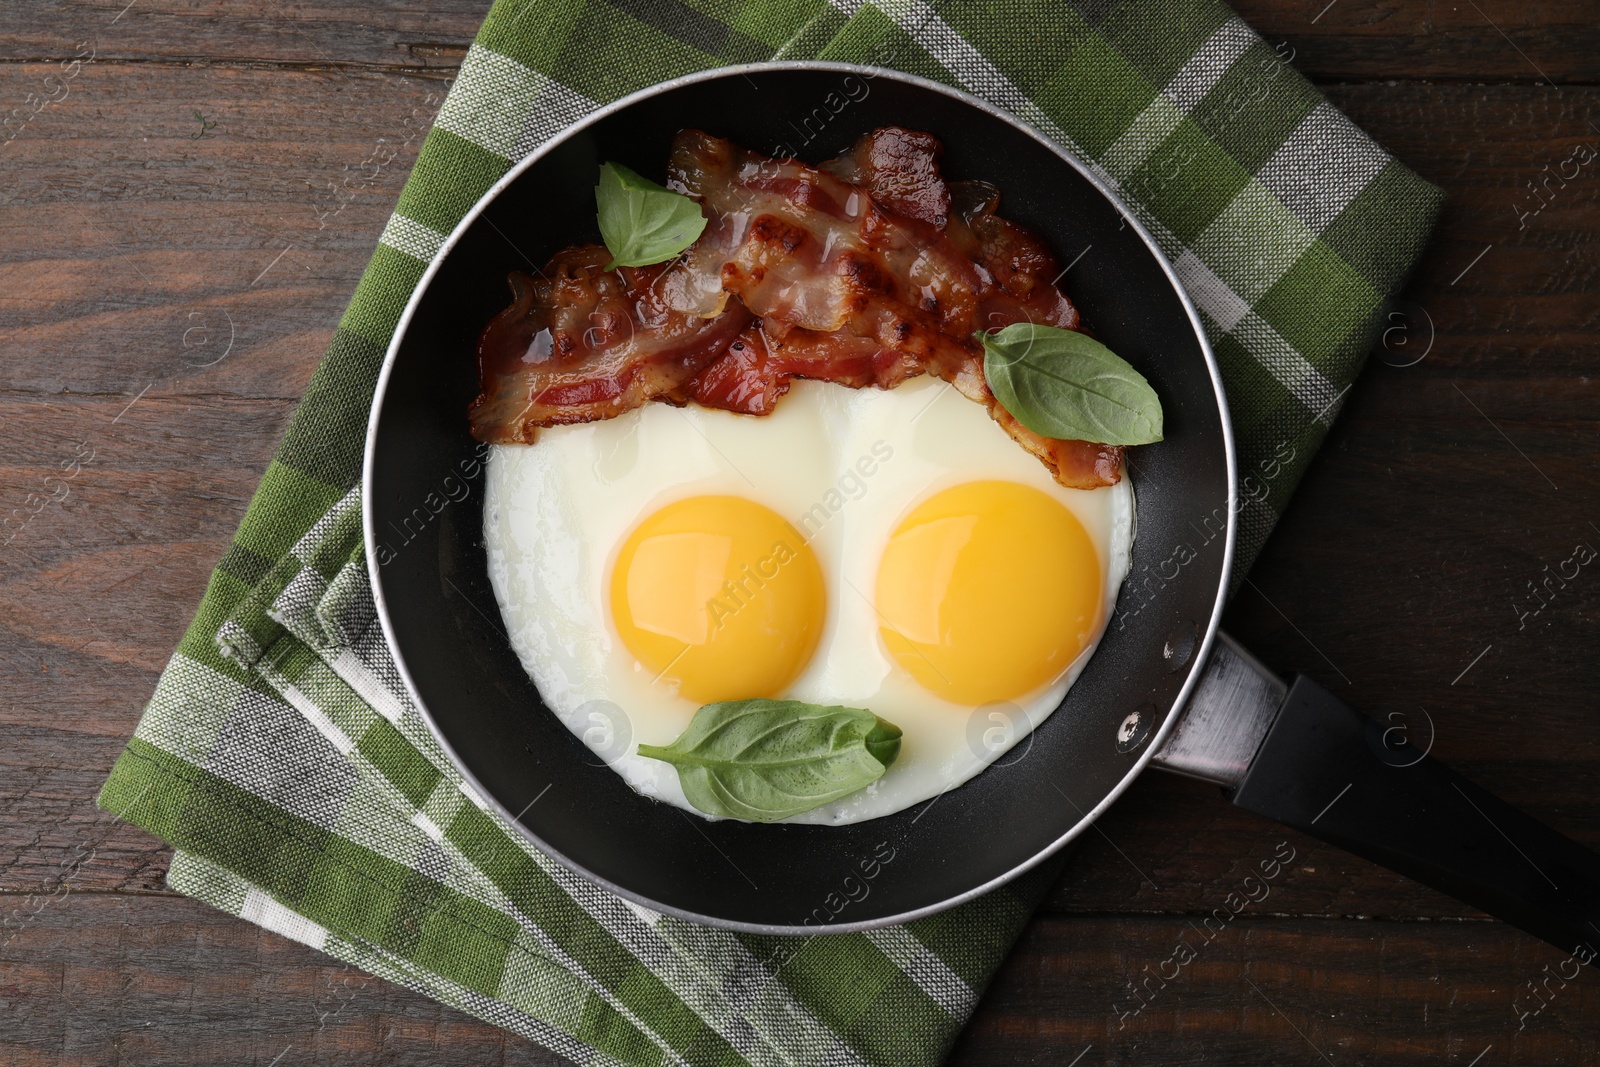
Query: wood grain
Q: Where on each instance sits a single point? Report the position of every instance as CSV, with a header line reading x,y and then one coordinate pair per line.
x,y
136,238
1367,993
385,35
136,222
112,979
1495,40
1551,41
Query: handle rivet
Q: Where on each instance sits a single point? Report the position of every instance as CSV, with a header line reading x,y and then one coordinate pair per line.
x,y
1180,645
1134,729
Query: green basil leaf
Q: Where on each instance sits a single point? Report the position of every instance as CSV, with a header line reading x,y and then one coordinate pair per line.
x,y
883,741
642,222
1064,384
769,759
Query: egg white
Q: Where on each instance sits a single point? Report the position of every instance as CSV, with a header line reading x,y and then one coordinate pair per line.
x,y
843,466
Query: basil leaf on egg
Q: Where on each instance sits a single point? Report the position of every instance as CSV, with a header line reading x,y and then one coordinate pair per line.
x,y
764,760
1066,385
642,222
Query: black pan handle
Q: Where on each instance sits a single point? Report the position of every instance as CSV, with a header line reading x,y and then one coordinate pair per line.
x,y
1366,787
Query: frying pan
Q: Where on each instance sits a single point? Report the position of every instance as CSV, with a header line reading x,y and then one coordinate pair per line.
x,y
1164,688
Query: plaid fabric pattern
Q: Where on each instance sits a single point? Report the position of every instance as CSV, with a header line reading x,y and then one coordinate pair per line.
x,y
283,759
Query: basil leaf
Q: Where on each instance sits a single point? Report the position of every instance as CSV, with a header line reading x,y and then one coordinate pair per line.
x,y
768,759
642,222
1066,385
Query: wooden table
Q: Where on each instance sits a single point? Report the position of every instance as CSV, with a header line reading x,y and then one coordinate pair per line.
x,y
182,230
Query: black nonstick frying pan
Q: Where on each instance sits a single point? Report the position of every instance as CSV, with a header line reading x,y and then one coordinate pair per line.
x,y
1165,687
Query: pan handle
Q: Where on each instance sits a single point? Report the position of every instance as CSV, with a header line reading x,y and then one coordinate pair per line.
x,y
1362,785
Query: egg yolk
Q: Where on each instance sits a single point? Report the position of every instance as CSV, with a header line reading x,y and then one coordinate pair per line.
x,y
987,591
719,598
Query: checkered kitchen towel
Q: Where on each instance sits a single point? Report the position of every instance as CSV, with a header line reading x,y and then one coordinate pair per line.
x,y
280,754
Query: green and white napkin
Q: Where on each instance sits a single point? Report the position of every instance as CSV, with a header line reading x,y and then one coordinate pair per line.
x,y
280,754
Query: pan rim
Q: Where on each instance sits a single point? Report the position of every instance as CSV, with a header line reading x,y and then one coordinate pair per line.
x,y
1101,185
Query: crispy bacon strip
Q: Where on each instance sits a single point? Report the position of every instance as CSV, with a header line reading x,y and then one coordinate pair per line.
x,y
900,170
819,258
1017,265
802,247
580,343
867,270
758,368
1074,464
1019,270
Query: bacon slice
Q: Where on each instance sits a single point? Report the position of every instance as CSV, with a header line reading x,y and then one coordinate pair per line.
x,y
865,271
900,170
758,368
1019,270
580,343
799,245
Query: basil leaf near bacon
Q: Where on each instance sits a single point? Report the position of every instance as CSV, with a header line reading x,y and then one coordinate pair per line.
x,y
764,760
1066,385
642,222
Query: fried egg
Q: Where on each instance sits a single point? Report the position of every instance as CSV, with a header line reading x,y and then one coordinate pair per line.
x,y
892,550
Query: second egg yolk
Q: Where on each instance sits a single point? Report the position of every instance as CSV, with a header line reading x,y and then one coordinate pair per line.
x,y
718,597
988,590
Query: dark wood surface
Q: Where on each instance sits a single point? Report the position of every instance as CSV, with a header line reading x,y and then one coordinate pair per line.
x,y
137,241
